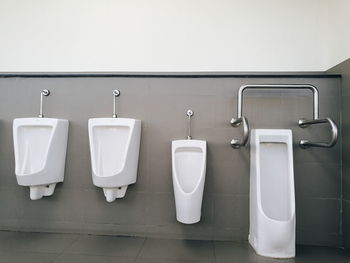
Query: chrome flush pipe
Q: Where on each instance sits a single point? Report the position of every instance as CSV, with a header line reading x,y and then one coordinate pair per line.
x,y
116,94
189,114
45,93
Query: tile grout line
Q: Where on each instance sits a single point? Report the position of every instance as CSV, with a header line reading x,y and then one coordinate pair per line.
x,y
141,248
214,250
65,248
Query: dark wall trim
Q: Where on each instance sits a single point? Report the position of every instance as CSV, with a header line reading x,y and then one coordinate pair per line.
x,y
169,75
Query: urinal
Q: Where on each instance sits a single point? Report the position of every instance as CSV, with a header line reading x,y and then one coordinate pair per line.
x,y
188,173
272,201
189,162
114,148
40,153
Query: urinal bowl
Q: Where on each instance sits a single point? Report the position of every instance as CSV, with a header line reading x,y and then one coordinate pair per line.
x,y
188,173
40,146
114,149
272,201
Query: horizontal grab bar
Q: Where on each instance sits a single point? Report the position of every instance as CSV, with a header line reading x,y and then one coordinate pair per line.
x,y
279,86
305,123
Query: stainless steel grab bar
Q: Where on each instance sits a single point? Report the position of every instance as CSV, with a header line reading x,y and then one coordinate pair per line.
x,y
236,143
278,86
305,123
235,122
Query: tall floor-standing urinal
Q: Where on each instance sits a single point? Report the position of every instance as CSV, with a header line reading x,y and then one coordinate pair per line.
x,y
189,158
272,201
114,148
40,152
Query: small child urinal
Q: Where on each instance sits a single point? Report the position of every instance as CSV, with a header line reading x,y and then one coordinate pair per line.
x,y
40,146
272,201
114,149
188,172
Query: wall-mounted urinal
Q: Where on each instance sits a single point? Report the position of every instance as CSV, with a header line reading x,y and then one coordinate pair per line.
x,y
188,172
40,152
272,201
114,149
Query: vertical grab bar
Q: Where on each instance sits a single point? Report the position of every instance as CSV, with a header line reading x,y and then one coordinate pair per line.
x,y
237,143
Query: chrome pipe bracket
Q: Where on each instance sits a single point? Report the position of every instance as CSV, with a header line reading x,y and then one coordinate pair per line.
x,y
237,143
189,114
303,123
116,93
43,93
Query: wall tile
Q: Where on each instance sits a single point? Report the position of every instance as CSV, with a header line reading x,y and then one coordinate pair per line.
x,y
318,180
231,211
316,214
97,210
346,224
149,208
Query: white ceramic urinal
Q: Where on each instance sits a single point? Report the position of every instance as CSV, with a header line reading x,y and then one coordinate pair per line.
x,y
114,148
272,202
188,171
40,153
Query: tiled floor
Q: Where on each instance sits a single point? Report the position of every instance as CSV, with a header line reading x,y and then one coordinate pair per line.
x,y
66,248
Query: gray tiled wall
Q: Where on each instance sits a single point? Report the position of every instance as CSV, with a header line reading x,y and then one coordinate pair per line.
x,y
344,69
161,102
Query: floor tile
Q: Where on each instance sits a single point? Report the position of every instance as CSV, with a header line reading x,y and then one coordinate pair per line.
x,y
4,238
233,252
318,254
65,248
242,252
164,260
178,249
260,259
38,242
107,246
74,258
28,257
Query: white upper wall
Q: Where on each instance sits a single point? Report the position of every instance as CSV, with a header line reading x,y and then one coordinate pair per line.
x,y
167,35
338,32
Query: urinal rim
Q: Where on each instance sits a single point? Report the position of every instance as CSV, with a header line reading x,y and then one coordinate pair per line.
x,y
97,119
16,126
287,132
131,123
38,120
203,147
